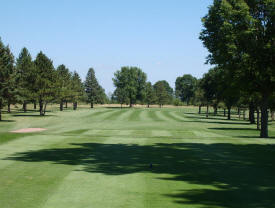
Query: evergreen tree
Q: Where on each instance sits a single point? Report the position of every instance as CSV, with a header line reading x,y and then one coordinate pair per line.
x,y
64,84
92,87
45,82
77,91
25,77
7,76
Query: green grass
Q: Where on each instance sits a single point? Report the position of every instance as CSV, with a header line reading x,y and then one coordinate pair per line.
x,y
100,158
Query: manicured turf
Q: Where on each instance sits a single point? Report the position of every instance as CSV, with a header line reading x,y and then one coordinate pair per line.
x,y
101,158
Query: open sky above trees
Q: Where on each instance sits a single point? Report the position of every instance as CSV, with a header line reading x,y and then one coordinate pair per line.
x,y
106,35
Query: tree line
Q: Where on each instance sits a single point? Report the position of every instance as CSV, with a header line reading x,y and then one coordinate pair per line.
x,y
24,81
240,38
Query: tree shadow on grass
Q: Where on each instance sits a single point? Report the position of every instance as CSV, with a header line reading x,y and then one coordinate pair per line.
x,y
31,115
4,121
220,118
241,175
234,129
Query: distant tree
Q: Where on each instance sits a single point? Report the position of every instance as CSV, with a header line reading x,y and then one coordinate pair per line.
x,y
161,92
121,96
209,84
77,89
64,84
7,76
150,94
45,82
92,88
25,77
185,87
199,97
131,82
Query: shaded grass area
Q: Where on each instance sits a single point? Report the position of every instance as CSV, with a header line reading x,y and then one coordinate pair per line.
x,y
6,137
243,175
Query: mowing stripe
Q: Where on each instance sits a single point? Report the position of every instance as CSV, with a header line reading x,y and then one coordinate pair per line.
x,y
179,115
98,113
153,115
116,114
171,117
135,115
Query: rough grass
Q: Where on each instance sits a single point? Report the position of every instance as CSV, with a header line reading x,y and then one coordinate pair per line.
x,y
101,158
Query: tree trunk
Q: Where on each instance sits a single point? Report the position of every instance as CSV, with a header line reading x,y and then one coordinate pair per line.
x,y
34,105
229,113
243,114
9,108
61,106
215,110
258,119
207,111
25,106
41,107
44,111
75,105
199,109
224,112
121,105
272,115
0,114
251,114
148,105
66,104
239,113
264,117
92,104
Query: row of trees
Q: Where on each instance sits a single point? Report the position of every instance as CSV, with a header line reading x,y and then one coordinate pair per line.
x,y
27,81
132,87
240,38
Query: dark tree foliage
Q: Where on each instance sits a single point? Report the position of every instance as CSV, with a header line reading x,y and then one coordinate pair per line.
x,y
185,87
94,92
131,82
7,76
240,38
25,77
150,94
45,81
162,94
77,89
63,85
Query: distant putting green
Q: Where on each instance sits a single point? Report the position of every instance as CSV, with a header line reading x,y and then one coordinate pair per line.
x,y
101,158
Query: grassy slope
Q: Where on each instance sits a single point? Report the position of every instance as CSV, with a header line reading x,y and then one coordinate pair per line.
x,y
100,158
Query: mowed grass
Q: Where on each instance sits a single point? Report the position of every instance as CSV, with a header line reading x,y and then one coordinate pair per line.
x,y
101,158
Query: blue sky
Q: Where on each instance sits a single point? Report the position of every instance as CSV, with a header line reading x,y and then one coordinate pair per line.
x,y
159,36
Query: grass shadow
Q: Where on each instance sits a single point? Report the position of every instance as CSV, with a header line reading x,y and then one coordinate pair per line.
x,y
240,175
31,115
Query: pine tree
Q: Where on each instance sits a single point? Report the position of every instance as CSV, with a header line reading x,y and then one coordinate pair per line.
x,y
64,85
91,87
45,82
25,77
77,89
7,76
